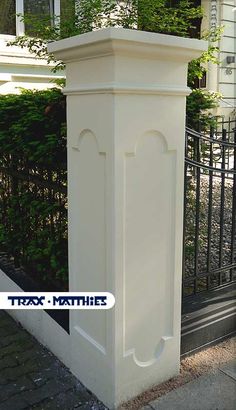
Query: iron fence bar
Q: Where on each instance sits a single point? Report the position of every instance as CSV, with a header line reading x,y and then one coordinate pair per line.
x,y
51,196
197,210
233,232
184,217
210,139
219,170
204,275
222,202
210,192
215,287
209,157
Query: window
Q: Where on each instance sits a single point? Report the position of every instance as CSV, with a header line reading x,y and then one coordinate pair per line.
x,y
68,9
38,10
39,7
7,17
200,82
10,21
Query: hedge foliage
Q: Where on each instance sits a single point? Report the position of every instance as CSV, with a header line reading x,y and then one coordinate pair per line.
x,y
33,201
198,109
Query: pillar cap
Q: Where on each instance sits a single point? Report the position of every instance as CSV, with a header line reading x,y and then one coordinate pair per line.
x,y
114,41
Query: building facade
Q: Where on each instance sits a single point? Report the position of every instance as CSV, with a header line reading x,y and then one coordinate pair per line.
x,y
221,78
19,69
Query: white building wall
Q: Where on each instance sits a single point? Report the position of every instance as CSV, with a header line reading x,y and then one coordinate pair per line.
x,y
222,78
19,69
227,72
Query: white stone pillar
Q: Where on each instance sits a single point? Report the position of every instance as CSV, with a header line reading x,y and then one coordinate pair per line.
x,y
126,128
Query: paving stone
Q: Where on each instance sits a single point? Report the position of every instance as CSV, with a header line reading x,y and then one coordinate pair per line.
x,y
49,373
14,403
40,378
92,405
3,381
87,406
5,331
18,386
70,400
8,362
47,359
15,348
45,405
31,354
7,321
18,335
11,374
31,378
46,391
38,354
63,374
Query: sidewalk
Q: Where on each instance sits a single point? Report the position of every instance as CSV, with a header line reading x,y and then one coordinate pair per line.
x,y
207,381
33,378
214,391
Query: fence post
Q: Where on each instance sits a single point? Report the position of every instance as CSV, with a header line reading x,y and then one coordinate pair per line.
x,y
126,125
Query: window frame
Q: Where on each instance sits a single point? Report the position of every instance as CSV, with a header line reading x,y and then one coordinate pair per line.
x,y
20,26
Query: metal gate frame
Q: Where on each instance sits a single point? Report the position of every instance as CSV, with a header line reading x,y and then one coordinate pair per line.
x,y
209,259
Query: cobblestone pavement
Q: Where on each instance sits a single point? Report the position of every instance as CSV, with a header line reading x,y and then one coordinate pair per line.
x,y
31,377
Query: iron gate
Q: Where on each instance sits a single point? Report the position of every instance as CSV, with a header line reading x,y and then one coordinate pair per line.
x,y
209,257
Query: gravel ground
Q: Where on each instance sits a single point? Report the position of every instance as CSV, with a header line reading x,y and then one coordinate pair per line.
x,y
191,368
203,229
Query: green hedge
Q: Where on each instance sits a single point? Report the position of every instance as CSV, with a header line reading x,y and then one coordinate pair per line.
x,y
33,200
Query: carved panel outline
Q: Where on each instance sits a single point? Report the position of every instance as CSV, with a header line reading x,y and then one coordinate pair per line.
x,y
84,133
166,338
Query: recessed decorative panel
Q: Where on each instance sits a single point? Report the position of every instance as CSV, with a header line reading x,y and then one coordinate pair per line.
x,y
149,230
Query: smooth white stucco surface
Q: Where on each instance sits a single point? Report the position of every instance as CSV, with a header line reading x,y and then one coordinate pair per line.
x,y
126,129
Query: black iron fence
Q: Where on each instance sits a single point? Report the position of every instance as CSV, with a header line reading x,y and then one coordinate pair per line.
x,y
33,186
33,218
209,257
